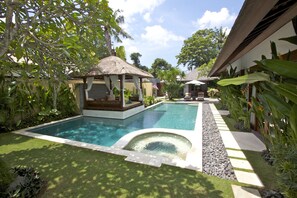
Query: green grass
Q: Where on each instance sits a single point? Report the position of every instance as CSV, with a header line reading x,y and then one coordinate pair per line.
x,y
76,172
265,172
219,106
230,123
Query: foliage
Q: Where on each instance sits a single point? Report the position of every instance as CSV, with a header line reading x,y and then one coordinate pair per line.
x,y
48,33
127,96
233,98
136,61
15,100
111,27
135,58
204,69
201,47
20,101
66,101
159,65
213,93
120,52
149,100
276,105
45,41
116,92
27,184
171,86
5,178
249,79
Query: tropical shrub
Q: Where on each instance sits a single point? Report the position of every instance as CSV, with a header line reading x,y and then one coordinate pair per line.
x,y
213,93
24,101
27,183
5,178
275,107
149,100
171,86
233,97
66,102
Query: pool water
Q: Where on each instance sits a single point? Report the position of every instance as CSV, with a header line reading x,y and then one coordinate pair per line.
x,y
106,132
164,144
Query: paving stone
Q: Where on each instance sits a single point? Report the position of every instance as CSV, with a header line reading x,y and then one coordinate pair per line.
x,y
248,178
239,154
238,163
224,112
144,160
229,140
223,128
248,141
244,192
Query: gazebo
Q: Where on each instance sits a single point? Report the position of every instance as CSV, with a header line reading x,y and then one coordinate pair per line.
x,y
113,71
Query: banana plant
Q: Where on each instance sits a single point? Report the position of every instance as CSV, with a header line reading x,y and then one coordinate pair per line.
x,y
275,107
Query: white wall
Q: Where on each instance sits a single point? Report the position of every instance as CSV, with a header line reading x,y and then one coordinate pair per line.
x,y
263,48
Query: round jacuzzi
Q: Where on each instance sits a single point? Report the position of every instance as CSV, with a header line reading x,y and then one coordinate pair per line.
x,y
160,143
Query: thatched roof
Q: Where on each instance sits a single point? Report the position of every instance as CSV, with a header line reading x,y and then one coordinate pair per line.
x,y
113,65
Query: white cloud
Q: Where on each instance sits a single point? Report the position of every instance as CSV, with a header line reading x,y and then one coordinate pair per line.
x,y
159,36
161,19
147,17
132,7
216,19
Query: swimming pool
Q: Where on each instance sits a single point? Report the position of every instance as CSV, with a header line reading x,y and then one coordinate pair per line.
x,y
106,132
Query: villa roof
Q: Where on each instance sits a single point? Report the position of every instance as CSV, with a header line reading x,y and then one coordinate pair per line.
x,y
113,65
193,75
256,21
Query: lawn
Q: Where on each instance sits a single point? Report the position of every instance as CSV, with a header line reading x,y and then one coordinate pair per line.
x,y
76,172
266,172
230,122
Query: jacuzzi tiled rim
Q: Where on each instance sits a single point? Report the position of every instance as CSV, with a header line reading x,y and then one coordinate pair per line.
x,y
194,156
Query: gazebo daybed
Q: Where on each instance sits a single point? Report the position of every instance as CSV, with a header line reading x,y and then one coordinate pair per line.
x,y
113,71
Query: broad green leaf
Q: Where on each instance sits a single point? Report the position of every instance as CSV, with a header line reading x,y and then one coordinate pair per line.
x,y
292,39
293,118
277,102
281,67
18,52
273,50
288,90
246,79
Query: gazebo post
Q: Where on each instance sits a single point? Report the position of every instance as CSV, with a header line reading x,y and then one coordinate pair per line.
x,y
122,79
140,79
110,87
84,92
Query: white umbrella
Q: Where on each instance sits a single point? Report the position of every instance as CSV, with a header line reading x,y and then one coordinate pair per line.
x,y
195,82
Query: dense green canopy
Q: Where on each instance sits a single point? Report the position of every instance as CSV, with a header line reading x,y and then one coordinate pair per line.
x,y
201,47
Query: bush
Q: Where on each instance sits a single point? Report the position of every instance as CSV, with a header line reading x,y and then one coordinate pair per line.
x,y
27,183
286,165
149,100
5,178
213,93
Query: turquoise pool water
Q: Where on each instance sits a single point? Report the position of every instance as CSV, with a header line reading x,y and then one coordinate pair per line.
x,y
106,132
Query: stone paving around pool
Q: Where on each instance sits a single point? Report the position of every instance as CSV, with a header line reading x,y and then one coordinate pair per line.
x,y
235,142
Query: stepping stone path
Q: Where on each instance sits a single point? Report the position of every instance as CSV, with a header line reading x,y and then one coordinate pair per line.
x,y
234,143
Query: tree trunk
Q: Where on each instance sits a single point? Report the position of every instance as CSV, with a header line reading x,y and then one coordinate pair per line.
x,y
9,30
56,89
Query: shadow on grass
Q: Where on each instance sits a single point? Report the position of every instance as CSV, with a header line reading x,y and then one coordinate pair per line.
x,y
266,173
76,172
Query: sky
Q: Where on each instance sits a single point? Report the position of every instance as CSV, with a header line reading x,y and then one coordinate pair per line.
x,y
159,27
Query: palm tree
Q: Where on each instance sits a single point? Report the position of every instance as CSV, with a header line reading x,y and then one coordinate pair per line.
x,y
112,27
